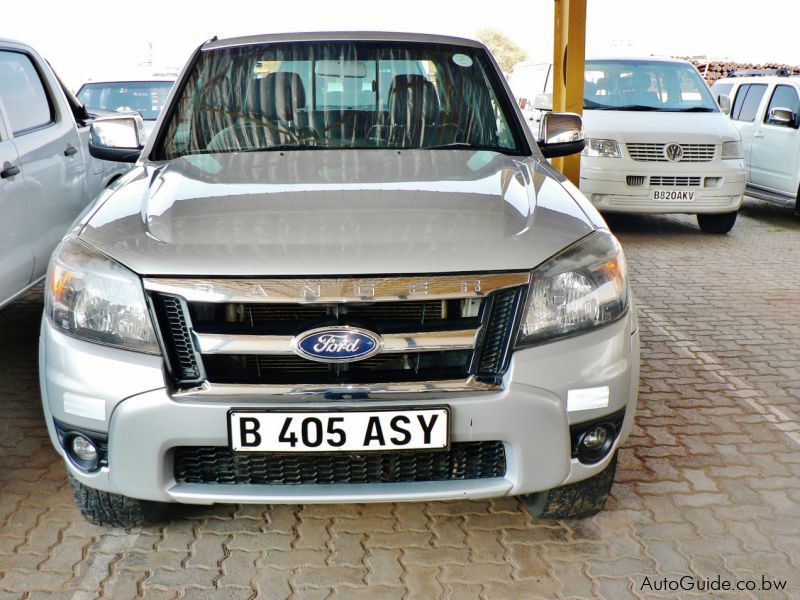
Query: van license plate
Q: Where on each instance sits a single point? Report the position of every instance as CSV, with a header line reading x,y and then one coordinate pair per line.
x,y
677,195
345,431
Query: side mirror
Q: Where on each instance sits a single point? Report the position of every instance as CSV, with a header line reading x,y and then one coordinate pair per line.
x,y
724,102
118,139
560,134
543,102
781,116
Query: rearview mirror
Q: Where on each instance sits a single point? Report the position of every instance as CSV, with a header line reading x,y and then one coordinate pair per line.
x,y
118,139
340,68
560,134
781,116
724,102
543,102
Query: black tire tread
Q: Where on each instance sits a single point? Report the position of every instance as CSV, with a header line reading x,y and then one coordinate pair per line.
x,y
716,223
577,500
104,508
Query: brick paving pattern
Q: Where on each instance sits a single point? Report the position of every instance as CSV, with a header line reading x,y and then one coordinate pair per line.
x,y
708,484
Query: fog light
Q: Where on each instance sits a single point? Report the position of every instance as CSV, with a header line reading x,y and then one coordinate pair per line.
x,y
596,443
595,438
84,449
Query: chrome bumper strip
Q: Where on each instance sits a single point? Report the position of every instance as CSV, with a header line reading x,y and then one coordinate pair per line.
x,y
260,393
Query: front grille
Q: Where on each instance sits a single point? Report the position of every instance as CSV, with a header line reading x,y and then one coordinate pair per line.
x,y
220,465
669,181
650,152
291,369
197,336
635,180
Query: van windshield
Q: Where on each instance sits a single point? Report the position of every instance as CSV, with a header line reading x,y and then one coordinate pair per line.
x,y
645,85
341,95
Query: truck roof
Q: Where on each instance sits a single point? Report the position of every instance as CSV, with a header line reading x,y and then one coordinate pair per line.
x,y
341,35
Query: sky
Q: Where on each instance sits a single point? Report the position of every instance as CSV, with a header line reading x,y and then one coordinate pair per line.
x,y
96,39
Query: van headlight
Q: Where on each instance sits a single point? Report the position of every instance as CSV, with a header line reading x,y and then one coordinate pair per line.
x,y
600,147
731,150
584,287
91,297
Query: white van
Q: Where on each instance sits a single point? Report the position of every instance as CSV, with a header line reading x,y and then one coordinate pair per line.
x,y
657,141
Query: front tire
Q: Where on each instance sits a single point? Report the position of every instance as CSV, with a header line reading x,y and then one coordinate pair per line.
x,y
105,508
574,501
716,223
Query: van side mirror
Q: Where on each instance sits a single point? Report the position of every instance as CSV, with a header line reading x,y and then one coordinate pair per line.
x,y
560,134
724,102
118,138
543,102
781,116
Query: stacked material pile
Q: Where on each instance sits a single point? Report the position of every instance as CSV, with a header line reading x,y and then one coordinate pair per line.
x,y
713,70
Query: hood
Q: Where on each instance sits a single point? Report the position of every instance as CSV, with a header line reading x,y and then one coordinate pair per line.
x,y
659,127
336,212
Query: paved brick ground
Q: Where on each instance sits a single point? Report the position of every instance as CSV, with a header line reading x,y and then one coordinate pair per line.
x,y
708,485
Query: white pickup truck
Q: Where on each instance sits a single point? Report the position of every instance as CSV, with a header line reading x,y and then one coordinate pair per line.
x,y
46,174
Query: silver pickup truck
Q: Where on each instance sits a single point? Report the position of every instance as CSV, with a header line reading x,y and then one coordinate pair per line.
x,y
46,174
341,270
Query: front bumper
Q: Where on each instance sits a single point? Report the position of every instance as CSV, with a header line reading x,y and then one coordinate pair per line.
x,y
126,395
604,181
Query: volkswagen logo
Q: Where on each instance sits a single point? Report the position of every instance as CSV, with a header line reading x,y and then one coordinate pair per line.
x,y
673,152
338,344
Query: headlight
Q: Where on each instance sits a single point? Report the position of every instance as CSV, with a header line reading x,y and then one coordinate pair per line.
x,y
91,297
582,288
599,147
732,150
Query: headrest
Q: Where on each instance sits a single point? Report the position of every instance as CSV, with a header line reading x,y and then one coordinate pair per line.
x,y
412,98
280,95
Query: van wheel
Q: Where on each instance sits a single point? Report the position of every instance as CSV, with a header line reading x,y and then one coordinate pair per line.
x,y
574,501
719,223
105,508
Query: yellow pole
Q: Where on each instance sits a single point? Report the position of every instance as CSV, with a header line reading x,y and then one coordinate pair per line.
x,y
569,49
560,33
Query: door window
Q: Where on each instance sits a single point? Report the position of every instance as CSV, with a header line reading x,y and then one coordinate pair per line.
x,y
784,96
748,98
25,99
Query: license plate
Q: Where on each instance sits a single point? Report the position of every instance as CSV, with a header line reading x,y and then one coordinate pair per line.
x,y
678,195
253,431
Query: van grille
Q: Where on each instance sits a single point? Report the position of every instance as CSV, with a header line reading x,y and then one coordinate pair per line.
x,y
668,181
649,152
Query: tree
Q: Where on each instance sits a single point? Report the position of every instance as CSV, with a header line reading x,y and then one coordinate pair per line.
x,y
505,52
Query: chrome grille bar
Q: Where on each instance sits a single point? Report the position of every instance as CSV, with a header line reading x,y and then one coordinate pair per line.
x,y
358,289
428,341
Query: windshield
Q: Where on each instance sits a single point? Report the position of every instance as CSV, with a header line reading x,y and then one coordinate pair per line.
x,y
645,85
145,97
340,95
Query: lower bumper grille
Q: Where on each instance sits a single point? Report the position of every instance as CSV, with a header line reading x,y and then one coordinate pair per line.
x,y
220,465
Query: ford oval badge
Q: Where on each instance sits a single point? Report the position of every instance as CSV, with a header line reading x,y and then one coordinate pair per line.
x,y
337,344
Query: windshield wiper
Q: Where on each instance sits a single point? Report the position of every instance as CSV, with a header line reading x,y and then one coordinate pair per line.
x,y
450,145
633,107
281,147
695,109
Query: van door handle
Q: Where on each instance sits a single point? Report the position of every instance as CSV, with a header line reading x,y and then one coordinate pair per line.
x,y
10,171
70,150
758,135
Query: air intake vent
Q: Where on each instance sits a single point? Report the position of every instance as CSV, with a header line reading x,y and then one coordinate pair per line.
x,y
220,465
635,180
667,181
177,339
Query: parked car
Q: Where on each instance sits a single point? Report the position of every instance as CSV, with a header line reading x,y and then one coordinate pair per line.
x,y
46,174
292,300
657,142
145,96
765,108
